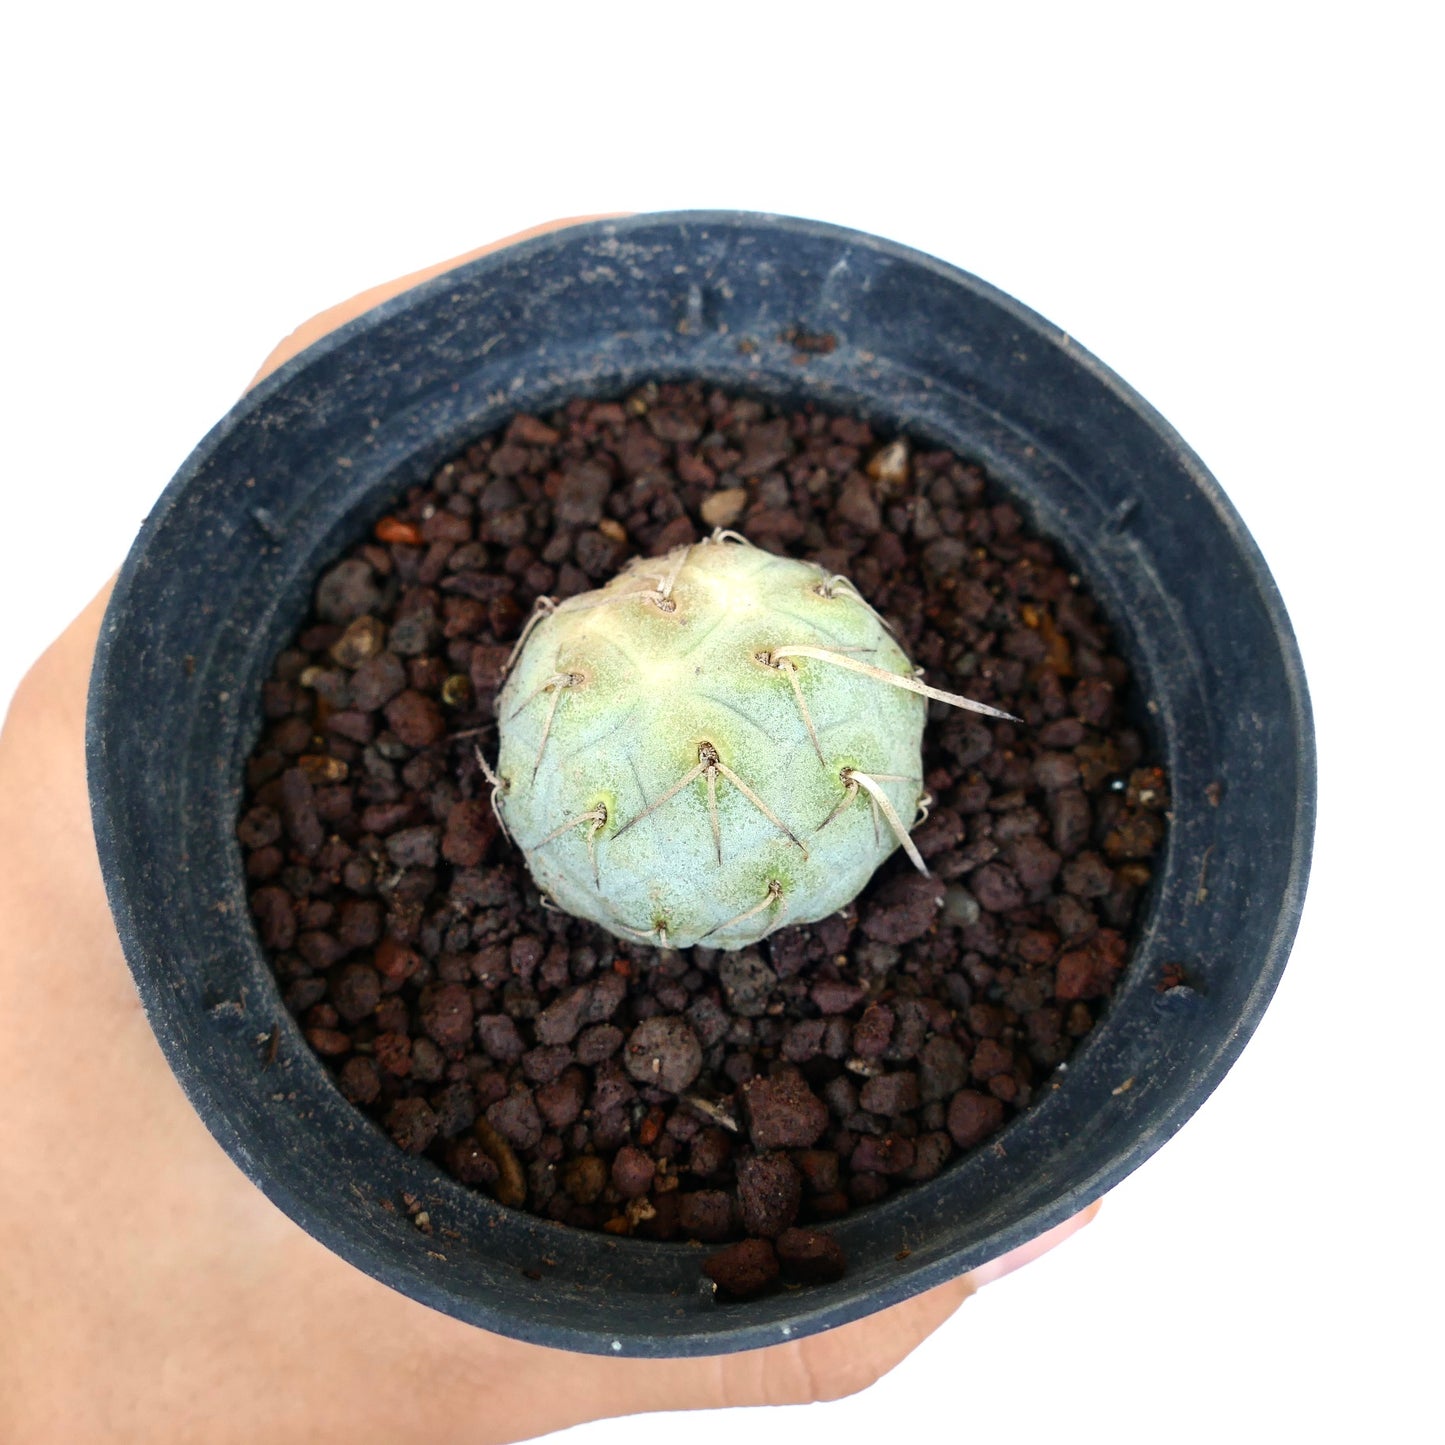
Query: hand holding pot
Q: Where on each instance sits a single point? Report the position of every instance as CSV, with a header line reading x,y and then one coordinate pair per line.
x,y
148,1291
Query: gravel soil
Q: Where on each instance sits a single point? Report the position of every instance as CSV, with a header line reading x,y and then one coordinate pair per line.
x,y
740,1099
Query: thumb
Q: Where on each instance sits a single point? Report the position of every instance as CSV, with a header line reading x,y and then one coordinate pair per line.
x,y
325,322
826,1366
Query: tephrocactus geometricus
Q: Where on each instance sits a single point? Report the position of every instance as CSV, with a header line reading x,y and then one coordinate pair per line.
x,y
716,743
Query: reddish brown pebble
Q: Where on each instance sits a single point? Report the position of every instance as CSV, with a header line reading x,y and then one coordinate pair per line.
x,y
866,1189
346,591
599,1042
1093,700
446,1013
584,488
903,909
499,1038
1089,972
275,917
524,956
882,1154
414,847
516,1119
705,1215
412,1124
356,991
1136,835
377,681
561,1101
873,1031
890,1094
650,1128
972,1117
264,864
584,1178
486,667
1034,863
990,1057
743,1269
532,431
819,1168
415,718
471,1163
392,1052
1053,771
298,812
471,829
359,1080
665,1052
394,530
942,1069
329,1042
996,888
359,922
632,1172
931,1152
770,1189
259,827
832,1205
837,996
392,1015
1087,876
395,960
783,1112
711,1151
810,1256
559,1022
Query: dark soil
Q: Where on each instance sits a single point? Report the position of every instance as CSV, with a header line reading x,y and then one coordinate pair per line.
x,y
745,1097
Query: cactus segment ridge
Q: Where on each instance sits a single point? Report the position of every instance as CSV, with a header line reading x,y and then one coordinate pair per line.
x,y
708,718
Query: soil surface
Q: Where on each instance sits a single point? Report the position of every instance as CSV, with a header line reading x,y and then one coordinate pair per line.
x,y
741,1099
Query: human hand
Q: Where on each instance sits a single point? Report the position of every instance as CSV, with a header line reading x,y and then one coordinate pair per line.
x,y
149,1291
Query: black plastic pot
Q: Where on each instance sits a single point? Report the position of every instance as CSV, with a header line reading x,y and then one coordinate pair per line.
x,y
222,573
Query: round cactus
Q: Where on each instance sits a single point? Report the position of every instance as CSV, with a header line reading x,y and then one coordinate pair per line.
x,y
716,743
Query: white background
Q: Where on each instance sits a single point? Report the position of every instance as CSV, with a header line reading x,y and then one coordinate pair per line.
x,y
1230,207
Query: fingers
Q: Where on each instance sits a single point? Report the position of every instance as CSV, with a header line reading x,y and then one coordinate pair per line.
x,y
66,663
825,1366
844,1361
1025,1253
841,1362
327,321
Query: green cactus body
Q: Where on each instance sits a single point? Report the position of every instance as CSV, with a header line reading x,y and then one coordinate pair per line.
x,y
674,770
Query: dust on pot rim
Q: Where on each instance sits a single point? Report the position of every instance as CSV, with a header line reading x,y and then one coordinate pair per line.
x,y
222,572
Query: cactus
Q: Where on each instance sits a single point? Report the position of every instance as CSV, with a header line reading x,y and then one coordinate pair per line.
x,y
715,743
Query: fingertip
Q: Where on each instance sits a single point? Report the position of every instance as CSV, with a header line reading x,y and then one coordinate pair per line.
x,y
996,1269
325,322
